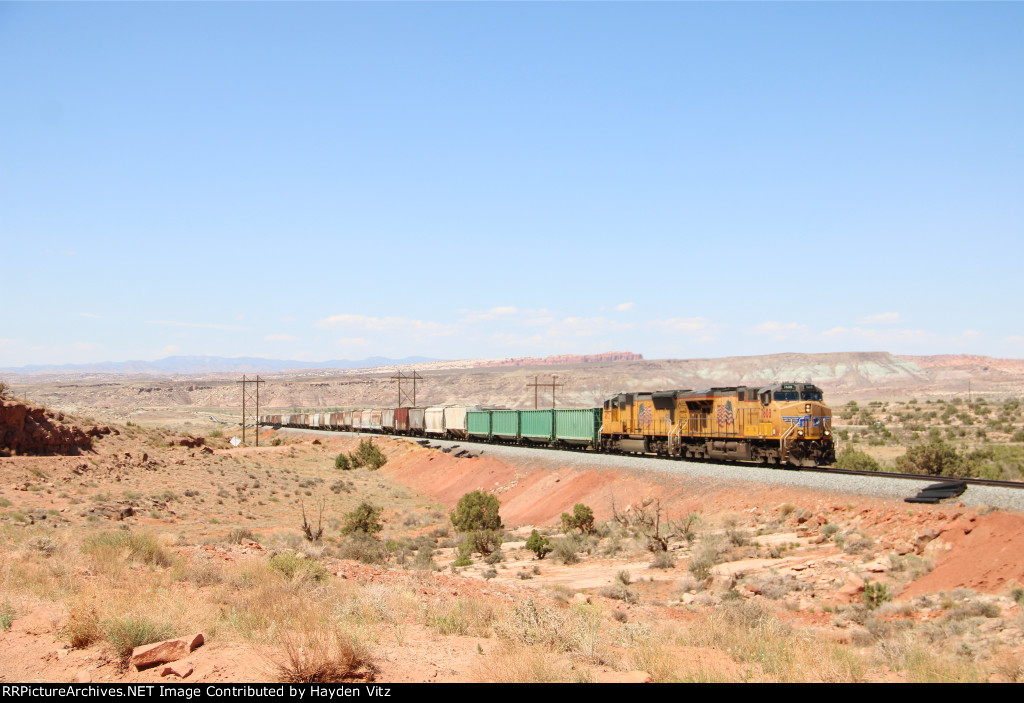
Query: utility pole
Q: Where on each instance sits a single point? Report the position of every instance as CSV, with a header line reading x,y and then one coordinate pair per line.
x,y
251,400
537,384
400,377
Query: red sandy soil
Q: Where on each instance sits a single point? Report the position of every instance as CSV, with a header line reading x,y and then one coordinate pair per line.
x,y
982,552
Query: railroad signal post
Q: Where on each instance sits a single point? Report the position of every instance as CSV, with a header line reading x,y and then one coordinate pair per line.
x,y
251,404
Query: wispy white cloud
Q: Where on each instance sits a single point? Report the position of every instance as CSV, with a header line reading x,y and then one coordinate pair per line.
x,y
884,318
169,350
406,325
883,337
351,342
623,307
700,329
198,325
280,338
782,330
492,314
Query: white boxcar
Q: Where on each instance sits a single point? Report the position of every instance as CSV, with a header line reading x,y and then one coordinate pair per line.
x,y
368,419
433,419
387,420
455,420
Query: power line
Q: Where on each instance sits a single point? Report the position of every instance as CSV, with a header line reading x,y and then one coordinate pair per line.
x,y
536,385
402,377
251,399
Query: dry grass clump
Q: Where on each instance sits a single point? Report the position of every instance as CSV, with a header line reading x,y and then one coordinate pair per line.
x,y
462,617
109,551
323,653
128,632
753,636
82,628
910,653
519,663
7,613
297,566
1009,665
575,630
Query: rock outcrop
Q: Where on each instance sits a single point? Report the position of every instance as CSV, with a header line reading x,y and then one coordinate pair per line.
x,y
31,430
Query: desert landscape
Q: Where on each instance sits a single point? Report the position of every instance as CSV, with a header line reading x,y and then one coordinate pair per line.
x,y
128,518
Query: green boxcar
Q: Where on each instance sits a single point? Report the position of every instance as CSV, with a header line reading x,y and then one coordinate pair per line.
x,y
505,424
578,426
537,425
478,423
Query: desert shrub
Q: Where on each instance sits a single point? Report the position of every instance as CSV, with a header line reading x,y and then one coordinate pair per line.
x,y
852,459
995,462
737,537
6,616
663,560
424,560
367,454
360,546
241,534
538,544
293,565
364,519
687,526
875,594
342,462
700,564
582,519
127,633
566,550
476,516
618,590
931,459
495,557
476,511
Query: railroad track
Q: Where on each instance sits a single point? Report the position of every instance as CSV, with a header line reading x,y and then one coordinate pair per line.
x,y
813,469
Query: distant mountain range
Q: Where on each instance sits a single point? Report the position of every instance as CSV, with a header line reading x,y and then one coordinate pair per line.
x,y
209,364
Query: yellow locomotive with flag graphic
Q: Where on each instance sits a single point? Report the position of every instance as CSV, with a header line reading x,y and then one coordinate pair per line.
x,y
785,423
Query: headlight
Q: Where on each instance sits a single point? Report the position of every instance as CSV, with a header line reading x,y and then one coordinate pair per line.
x,y
799,433
827,433
807,407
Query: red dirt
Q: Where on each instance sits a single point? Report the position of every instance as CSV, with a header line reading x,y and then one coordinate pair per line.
x,y
984,551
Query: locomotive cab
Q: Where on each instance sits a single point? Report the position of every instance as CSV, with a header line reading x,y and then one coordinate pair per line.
x,y
801,421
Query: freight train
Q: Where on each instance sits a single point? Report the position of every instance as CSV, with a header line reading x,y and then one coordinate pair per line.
x,y
781,424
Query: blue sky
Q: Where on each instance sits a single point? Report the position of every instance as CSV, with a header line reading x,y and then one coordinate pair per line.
x,y
459,180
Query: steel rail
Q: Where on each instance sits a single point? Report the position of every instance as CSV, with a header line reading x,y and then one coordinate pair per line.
x,y
718,462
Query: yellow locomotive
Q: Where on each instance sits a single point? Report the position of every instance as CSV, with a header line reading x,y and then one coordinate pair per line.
x,y
785,423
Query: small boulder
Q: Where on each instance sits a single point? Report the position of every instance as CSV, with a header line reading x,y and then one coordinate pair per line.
x,y
163,652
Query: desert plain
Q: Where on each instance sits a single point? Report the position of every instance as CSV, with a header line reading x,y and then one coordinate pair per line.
x,y
144,524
